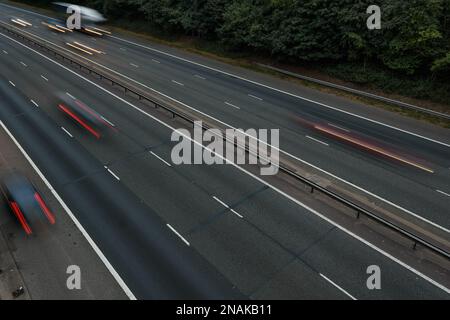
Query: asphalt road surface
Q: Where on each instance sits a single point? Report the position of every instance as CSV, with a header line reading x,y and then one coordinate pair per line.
x,y
39,263
169,230
244,104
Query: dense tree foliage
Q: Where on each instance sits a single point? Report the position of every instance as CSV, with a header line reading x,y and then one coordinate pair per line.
x,y
414,38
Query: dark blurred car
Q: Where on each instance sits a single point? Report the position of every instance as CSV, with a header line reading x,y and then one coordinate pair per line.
x,y
24,200
87,118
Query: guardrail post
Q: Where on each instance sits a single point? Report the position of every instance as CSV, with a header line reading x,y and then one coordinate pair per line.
x,y
312,190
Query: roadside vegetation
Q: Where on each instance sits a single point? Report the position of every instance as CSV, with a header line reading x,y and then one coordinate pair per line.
x,y
409,56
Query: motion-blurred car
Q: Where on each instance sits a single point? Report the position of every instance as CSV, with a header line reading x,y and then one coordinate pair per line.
x,y
57,25
84,116
25,201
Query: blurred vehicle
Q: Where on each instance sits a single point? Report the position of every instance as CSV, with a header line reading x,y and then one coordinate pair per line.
x,y
87,14
57,25
363,142
84,116
24,201
89,19
20,22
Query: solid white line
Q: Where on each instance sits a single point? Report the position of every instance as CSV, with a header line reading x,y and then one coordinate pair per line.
x,y
161,159
12,83
284,92
317,140
5,52
112,173
71,96
23,64
94,246
281,151
334,284
134,65
44,78
200,77
255,97
112,124
179,235
227,206
444,193
188,137
68,133
155,61
333,125
232,105
179,83
32,101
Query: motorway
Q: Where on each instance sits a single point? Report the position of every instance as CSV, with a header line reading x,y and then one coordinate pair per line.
x,y
39,263
242,104
266,246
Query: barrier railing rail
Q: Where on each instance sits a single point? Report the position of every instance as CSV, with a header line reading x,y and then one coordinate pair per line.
x,y
361,93
141,95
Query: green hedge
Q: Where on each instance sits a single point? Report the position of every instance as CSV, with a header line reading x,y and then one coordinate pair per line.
x,y
411,51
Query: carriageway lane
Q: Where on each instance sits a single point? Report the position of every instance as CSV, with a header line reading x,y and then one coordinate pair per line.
x,y
43,258
424,194
408,187
120,225
258,253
